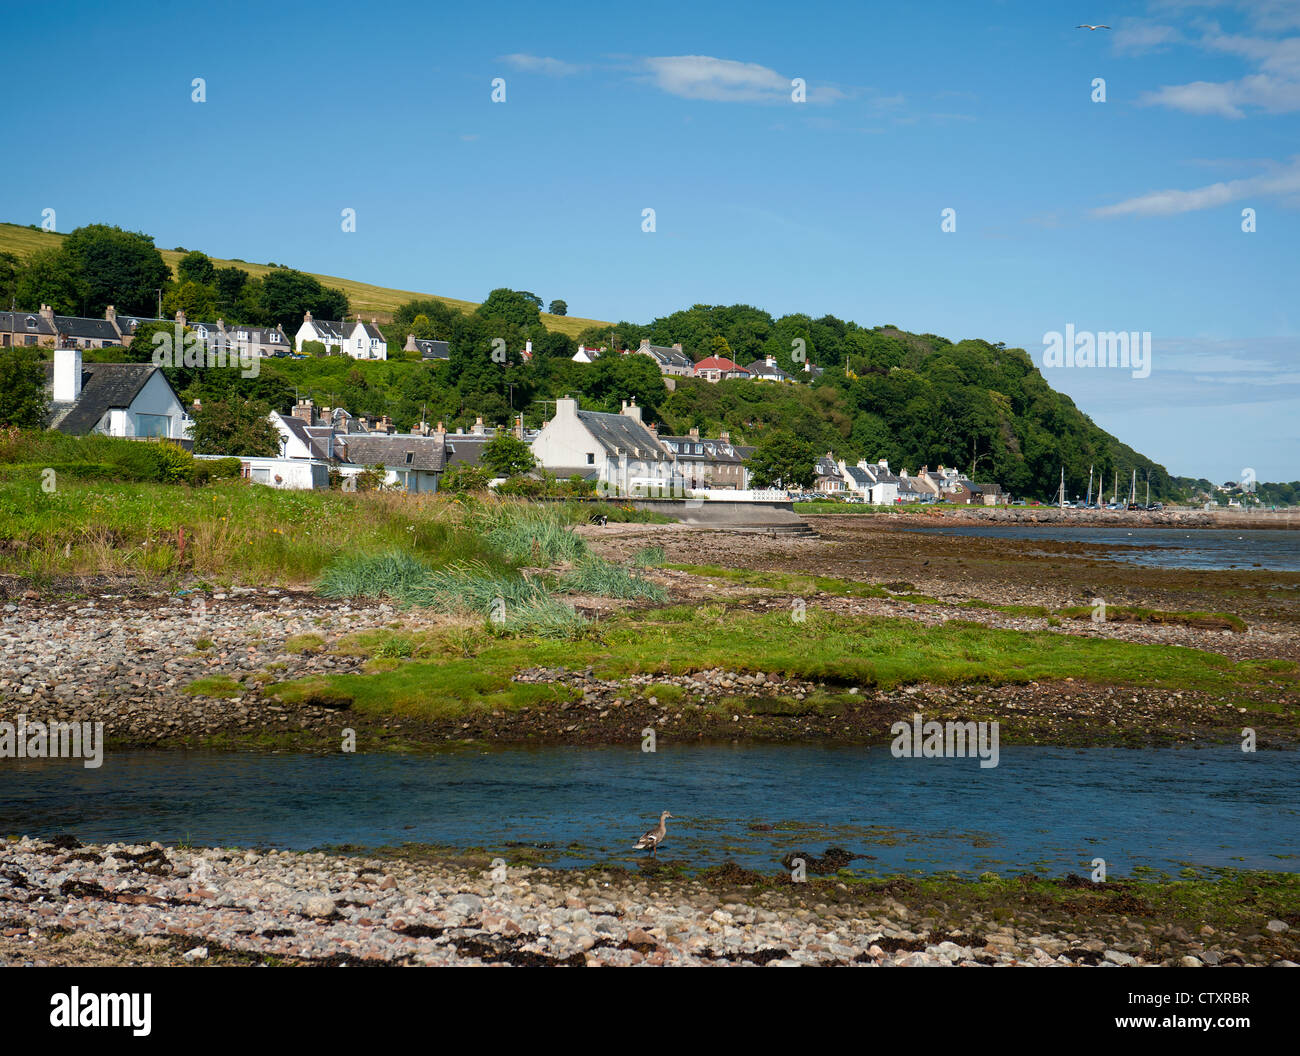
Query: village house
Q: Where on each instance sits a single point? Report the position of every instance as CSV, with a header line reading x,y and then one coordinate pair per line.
x,y
258,340
413,462
30,329
671,360
357,339
625,456
702,462
587,355
428,348
117,399
827,478
718,368
766,370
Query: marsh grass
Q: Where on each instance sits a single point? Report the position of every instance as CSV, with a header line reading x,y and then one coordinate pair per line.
x,y
229,530
596,576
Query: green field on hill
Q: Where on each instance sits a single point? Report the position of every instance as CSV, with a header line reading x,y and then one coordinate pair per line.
x,y
366,299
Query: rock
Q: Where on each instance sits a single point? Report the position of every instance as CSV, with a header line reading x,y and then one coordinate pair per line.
x,y
1190,962
1278,926
199,953
318,906
468,903
1116,957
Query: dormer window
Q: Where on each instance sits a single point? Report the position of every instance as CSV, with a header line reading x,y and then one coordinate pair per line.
x,y
31,322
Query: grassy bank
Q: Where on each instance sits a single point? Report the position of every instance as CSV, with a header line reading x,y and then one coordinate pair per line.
x,y
445,674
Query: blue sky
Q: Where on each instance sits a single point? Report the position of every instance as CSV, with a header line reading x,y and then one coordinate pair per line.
x,y
1116,215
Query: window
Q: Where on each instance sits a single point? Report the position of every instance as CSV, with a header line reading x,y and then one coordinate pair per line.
x,y
31,322
410,457
153,425
591,459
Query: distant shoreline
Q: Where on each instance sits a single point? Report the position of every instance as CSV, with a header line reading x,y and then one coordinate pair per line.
x,y
1279,520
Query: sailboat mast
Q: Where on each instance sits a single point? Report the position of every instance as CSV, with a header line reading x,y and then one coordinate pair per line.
x,y
1089,502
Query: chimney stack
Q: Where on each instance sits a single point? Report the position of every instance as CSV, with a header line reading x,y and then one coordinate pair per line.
x,y
67,374
305,411
478,429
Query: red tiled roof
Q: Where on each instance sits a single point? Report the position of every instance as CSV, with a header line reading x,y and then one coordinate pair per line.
x,y
719,363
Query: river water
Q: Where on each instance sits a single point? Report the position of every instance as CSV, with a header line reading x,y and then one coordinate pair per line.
x,y
1049,810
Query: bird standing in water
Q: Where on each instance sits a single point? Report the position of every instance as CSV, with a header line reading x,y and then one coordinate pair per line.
x,y
652,839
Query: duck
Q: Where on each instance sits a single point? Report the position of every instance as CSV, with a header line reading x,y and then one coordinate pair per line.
x,y
652,839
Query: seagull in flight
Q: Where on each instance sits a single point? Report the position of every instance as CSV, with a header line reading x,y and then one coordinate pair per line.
x,y
1094,28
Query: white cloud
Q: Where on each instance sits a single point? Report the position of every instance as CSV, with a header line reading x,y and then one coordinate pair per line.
x,y
726,81
1272,86
541,64
1282,182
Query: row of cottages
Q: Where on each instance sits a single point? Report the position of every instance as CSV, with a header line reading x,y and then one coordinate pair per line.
x,y
258,340
335,439
617,451
358,339
623,455
703,462
117,399
875,483
673,362
46,329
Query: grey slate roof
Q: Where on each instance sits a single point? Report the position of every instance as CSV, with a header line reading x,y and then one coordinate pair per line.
x,y
128,323
427,453
80,327
103,386
715,450
621,434
17,323
761,368
433,349
860,478
465,450
330,328
668,356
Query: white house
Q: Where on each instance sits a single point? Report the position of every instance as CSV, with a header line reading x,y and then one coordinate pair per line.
x,y
586,355
357,339
365,341
119,399
616,450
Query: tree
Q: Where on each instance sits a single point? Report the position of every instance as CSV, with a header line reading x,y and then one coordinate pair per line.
x,y
506,455
234,427
195,299
121,268
23,400
519,308
558,308
287,294
196,267
230,284
10,268
49,277
784,459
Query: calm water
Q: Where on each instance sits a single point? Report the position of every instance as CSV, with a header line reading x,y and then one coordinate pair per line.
x,y
1200,548
1051,810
